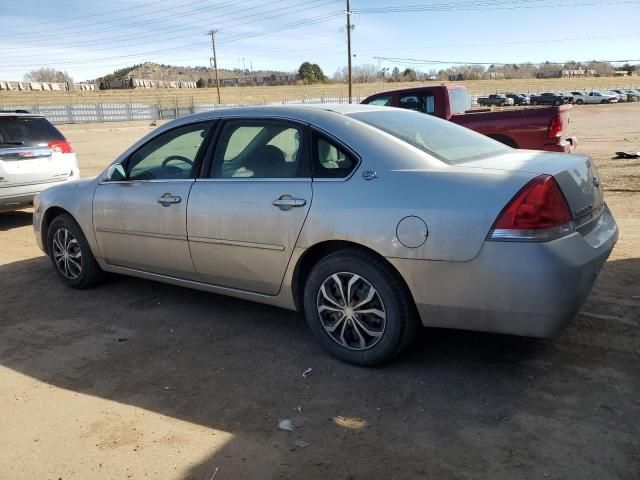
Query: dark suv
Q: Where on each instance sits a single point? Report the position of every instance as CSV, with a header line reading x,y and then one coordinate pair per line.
x,y
548,98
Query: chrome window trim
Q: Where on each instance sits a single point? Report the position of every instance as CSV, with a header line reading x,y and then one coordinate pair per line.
x,y
250,179
102,181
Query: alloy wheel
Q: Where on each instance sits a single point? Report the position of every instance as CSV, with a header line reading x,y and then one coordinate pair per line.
x,y
351,311
67,254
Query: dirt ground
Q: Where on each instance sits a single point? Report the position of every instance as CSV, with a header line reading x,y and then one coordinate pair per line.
x,y
136,379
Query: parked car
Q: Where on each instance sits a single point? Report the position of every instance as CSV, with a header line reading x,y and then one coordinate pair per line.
x,y
519,98
621,97
33,156
373,220
495,99
630,95
535,129
548,98
568,98
594,97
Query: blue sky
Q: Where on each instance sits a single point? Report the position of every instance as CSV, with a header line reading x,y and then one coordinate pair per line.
x,y
89,39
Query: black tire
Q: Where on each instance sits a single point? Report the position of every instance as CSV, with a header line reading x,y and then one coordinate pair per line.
x,y
558,103
579,102
535,102
89,273
401,322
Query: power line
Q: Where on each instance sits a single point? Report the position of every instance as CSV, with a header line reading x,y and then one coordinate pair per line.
x,y
415,61
475,6
186,47
304,6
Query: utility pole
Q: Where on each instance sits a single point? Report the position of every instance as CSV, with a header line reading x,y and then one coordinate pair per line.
x,y
349,50
215,60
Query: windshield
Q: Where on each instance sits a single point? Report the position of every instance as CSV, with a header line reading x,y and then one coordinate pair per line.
x,y
444,140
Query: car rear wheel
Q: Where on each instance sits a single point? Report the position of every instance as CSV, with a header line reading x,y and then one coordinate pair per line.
x,y
70,254
535,102
557,103
579,102
358,308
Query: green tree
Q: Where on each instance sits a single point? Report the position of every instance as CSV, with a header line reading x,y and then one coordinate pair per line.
x,y
409,75
311,73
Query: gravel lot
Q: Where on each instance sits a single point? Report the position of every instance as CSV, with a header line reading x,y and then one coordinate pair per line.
x,y
137,379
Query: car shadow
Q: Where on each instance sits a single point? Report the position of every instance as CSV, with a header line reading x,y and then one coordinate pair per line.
x,y
16,219
455,405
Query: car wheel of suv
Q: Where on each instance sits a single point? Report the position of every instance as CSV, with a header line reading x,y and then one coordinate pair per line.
x,y
358,308
579,102
70,254
557,103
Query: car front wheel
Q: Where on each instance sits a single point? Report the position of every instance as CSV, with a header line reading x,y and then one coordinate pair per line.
x,y
70,254
358,308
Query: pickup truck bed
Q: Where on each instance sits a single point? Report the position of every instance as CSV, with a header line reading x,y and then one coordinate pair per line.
x,y
526,127
533,128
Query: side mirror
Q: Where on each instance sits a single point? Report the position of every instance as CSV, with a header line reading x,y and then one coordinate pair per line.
x,y
116,172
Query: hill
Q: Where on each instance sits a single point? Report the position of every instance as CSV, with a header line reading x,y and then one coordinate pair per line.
x,y
156,71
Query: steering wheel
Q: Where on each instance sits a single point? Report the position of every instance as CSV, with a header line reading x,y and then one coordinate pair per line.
x,y
174,157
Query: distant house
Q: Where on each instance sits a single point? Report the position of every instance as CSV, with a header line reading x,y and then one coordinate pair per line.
x,y
577,73
620,73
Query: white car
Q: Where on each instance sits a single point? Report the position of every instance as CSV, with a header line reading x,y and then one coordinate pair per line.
x,y
33,156
621,97
581,97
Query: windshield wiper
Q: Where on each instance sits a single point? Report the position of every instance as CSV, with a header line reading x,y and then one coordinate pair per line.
x,y
11,143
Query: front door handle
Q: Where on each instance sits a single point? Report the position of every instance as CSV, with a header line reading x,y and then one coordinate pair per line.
x,y
287,202
168,199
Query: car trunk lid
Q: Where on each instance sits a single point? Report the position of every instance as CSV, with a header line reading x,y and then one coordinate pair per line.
x,y
576,175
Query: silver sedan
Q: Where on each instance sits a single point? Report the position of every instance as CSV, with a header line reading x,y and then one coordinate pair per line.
x,y
373,220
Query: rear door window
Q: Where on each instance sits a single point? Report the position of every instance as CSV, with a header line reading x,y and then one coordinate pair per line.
x,y
28,131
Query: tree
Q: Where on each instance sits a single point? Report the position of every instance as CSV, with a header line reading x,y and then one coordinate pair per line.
x,y
48,75
201,83
395,74
409,75
311,73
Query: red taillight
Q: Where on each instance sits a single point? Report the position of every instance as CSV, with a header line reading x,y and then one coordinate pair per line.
x,y
60,146
539,205
556,126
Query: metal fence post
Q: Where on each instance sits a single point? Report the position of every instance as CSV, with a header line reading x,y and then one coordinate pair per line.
x,y
175,104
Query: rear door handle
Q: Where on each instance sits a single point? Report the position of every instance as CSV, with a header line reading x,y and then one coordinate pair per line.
x,y
168,199
287,202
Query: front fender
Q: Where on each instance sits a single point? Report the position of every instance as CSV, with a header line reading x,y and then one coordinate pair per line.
x,y
76,198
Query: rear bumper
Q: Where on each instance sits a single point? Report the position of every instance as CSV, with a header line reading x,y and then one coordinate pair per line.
x,y
528,289
13,197
568,145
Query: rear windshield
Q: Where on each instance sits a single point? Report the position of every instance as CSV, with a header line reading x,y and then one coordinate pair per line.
x,y
28,131
444,140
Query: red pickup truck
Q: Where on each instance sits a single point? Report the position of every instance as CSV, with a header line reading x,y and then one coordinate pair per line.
x,y
535,128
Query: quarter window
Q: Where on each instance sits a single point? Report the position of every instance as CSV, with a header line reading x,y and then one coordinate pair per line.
x,y
260,149
169,156
331,161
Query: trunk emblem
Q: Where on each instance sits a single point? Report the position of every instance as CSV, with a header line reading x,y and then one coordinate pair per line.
x,y
586,209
